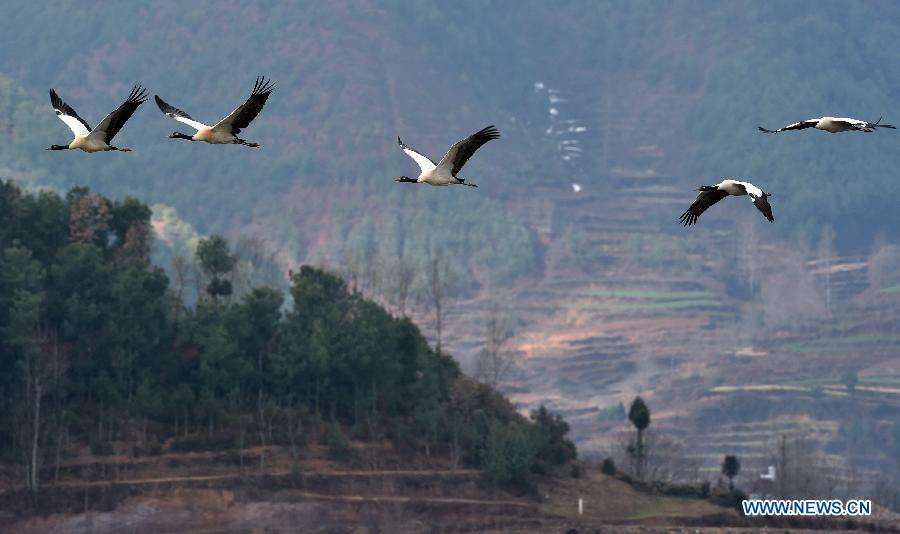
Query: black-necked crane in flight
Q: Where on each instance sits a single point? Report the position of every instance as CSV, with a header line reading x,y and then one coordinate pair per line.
x,y
96,139
225,131
445,172
833,125
710,194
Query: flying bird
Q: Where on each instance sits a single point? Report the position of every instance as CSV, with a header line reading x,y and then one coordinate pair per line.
x,y
710,194
96,139
833,125
225,131
445,172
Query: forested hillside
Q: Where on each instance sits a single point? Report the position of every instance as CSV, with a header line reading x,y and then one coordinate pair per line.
x,y
97,348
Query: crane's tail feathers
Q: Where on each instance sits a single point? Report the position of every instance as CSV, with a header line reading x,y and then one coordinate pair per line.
x,y
877,124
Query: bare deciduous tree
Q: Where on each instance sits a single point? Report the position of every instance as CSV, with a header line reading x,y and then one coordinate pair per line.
x,y
746,255
257,265
884,265
495,359
789,291
801,471
662,460
44,365
887,491
825,252
138,240
396,277
403,275
89,217
436,290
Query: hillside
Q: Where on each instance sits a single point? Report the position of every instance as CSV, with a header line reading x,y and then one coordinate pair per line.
x,y
212,491
127,408
664,104
376,488
105,363
729,367
736,331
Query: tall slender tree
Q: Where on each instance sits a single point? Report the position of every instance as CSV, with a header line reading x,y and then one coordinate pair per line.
x,y
436,290
639,415
826,252
730,468
495,359
217,262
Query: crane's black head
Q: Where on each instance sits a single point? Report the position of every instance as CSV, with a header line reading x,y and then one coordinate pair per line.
x,y
707,188
405,179
179,135
58,147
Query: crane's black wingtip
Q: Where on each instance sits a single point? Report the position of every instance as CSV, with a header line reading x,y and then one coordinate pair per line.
x,y
163,106
138,95
262,86
55,100
487,133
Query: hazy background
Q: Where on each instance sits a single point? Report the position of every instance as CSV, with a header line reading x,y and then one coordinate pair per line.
x,y
637,103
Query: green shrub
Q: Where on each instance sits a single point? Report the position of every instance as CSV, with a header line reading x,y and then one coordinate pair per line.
x,y
608,467
552,446
508,455
338,444
576,470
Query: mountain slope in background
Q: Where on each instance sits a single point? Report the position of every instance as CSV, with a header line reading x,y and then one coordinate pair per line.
x,y
609,296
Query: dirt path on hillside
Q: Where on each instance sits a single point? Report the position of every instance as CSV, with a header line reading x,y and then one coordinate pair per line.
x,y
425,473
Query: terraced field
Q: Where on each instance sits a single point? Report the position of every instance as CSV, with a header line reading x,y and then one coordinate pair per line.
x,y
755,442
318,494
655,313
844,344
